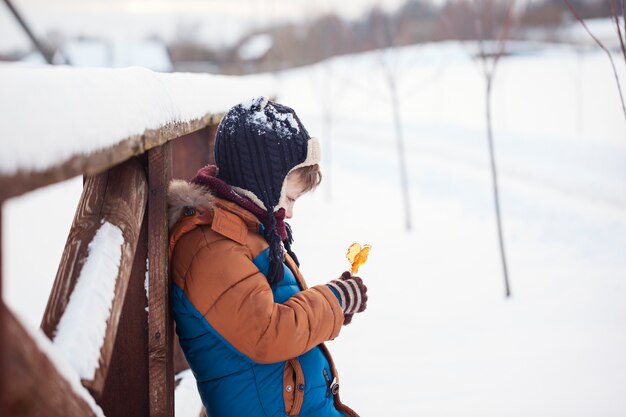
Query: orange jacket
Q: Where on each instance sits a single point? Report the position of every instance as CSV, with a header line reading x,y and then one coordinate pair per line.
x,y
213,246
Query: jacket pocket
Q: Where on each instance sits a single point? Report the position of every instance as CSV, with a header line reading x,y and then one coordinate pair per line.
x,y
293,387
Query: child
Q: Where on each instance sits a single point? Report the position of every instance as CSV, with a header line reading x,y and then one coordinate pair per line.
x,y
250,328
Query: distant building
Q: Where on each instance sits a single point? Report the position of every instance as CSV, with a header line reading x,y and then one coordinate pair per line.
x,y
151,54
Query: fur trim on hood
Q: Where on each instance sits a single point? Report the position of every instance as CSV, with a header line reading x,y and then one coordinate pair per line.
x,y
182,195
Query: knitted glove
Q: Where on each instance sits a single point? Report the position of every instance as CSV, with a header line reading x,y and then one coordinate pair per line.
x,y
352,294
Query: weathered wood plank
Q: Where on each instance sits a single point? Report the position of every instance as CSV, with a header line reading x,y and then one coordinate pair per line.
x,y
160,325
37,388
119,197
212,133
94,163
190,153
126,389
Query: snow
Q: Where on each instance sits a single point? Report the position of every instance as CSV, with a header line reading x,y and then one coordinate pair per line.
x,y
256,47
146,284
187,402
260,119
438,337
61,364
101,107
82,328
256,101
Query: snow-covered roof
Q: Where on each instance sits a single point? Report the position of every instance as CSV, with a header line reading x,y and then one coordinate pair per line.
x,y
50,114
119,53
255,47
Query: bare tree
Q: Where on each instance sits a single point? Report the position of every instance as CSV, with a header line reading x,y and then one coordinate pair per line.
x,y
489,64
385,37
615,15
323,38
384,34
493,21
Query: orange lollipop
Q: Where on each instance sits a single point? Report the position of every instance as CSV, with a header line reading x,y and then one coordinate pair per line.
x,y
357,256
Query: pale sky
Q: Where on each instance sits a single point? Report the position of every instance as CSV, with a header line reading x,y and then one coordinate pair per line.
x,y
211,21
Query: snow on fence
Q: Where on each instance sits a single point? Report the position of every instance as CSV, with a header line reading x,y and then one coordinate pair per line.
x,y
86,301
81,331
111,324
31,359
59,122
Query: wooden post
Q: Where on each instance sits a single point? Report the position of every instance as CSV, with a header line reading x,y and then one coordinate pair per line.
x,y
3,366
37,388
126,389
160,352
117,196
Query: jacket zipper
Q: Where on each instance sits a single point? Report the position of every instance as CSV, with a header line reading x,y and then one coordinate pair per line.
x,y
328,382
331,384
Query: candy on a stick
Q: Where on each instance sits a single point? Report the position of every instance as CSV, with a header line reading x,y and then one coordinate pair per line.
x,y
357,256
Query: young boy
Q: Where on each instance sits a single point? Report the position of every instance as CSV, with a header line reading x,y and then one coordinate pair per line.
x,y
250,328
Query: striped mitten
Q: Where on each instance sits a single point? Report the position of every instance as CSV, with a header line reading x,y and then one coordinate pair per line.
x,y
352,294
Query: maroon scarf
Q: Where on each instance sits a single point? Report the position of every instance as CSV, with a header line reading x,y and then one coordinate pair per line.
x,y
207,176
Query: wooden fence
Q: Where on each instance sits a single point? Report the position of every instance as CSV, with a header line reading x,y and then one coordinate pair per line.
x,y
124,185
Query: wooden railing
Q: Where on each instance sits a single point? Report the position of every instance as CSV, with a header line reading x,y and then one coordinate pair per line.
x,y
124,185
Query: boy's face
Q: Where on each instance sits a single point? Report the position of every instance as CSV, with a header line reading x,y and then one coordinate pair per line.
x,y
294,189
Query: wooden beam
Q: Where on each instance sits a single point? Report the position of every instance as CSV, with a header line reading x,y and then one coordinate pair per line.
x,y
160,350
94,163
118,196
126,391
37,387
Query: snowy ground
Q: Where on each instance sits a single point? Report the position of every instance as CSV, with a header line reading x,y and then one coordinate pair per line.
x,y
439,338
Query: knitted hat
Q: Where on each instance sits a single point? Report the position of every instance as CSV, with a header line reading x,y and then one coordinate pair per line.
x,y
258,143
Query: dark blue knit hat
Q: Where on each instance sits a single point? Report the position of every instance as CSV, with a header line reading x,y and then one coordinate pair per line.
x,y
258,143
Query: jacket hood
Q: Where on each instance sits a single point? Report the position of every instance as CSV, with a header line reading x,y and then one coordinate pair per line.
x,y
183,196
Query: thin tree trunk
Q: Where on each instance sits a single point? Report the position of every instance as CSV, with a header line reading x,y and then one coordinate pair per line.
x,y
328,169
392,78
328,121
494,177
404,181
579,91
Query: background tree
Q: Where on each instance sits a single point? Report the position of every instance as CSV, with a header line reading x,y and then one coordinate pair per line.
x,y
384,36
492,23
